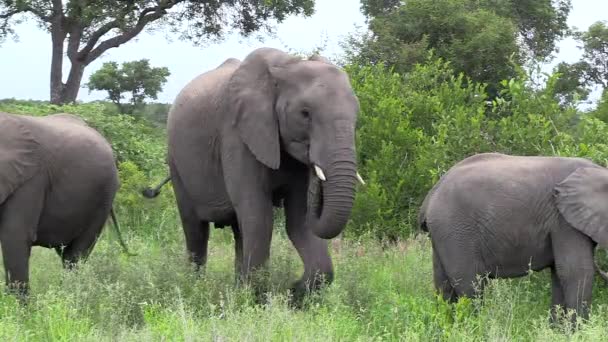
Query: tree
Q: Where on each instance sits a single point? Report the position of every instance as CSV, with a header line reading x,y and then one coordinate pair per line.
x,y
136,78
571,83
595,52
481,38
601,111
83,30
591,69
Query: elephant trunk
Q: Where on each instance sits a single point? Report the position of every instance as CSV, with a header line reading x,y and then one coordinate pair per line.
x,y
330,200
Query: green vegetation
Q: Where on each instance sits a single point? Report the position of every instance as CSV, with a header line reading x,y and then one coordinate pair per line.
x,y
437,81
478,37
379,294
411,129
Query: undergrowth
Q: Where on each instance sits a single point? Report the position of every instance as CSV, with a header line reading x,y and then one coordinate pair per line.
x,y
381,292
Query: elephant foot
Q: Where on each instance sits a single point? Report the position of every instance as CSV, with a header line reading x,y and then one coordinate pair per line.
x,y
302,289
565,321
20,291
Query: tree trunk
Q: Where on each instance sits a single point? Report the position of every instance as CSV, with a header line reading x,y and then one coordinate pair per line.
x,y
70,89
58,35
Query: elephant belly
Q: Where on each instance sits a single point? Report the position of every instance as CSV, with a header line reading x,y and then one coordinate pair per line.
x,y
204,190
69,214
530,249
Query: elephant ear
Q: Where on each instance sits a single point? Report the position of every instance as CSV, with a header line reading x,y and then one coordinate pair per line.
x,y
18,155
252,92
582,199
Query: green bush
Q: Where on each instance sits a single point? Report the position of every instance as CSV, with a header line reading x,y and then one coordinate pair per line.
x,y
412,128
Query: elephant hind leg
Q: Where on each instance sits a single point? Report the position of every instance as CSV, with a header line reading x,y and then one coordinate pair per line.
x,y
459,263
18,224
196,231
442,281
79,249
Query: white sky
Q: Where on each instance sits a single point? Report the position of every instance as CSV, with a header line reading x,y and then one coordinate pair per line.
x,y
25,64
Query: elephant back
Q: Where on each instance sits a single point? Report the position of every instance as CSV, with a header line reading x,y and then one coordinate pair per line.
x,y
65,134
19,157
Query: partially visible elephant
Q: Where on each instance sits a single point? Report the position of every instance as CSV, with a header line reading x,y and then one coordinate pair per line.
x,y
244,136
499,215
58,179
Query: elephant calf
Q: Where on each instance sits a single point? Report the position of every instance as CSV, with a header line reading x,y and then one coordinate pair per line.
x,y
58,179
498,215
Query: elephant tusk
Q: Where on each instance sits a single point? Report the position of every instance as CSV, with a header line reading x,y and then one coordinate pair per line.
x,y
320,173
360,179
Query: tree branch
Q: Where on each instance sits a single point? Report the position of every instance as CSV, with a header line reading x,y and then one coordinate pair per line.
x,y
74,41
96,36
146,16
26,9
10,14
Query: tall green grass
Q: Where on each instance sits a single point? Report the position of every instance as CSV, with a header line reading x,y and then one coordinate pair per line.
x,y
381,292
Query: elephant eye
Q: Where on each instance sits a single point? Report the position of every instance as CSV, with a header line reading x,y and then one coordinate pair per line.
x,y
305,113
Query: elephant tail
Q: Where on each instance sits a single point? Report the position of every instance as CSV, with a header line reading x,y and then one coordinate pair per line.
x,y
422,211
118,234
153,192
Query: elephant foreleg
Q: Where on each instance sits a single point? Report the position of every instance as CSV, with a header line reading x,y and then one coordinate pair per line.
x,y
557,296
238,250
255,227
318,268
573,253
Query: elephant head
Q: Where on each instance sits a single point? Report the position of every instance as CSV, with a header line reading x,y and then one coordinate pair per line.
x,y
307,109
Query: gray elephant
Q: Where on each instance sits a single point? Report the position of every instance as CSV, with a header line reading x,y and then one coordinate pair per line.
x,y
272,129
58,179
499,215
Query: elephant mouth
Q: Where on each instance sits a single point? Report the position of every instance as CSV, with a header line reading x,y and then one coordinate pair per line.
x,y
315,195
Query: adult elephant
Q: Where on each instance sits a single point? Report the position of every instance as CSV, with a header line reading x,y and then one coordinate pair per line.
x,y
58,179
273,128
499,215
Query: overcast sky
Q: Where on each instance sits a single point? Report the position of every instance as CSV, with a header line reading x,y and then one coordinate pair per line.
x,y
25,64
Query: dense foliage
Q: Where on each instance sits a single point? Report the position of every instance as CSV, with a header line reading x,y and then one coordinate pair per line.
x,y
412,128
480,38
592,69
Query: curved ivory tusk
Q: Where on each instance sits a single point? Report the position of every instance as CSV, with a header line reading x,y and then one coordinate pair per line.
x,y
320,173
360,179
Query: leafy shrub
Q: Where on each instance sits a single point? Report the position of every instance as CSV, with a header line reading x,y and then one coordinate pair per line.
x,y
412,128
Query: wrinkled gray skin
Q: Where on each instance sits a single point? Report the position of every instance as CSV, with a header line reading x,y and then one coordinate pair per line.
x,y
57,182
501,215
245,136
